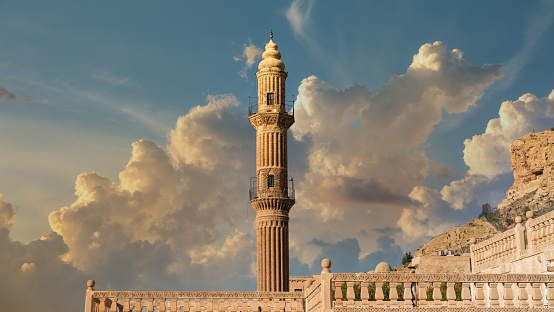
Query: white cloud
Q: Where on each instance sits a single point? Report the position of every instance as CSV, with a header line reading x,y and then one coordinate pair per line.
x,y
8,96
7,215
488,155
250,55
386,130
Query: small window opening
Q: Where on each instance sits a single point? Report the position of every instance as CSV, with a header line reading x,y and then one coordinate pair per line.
x,y
270,180
270,99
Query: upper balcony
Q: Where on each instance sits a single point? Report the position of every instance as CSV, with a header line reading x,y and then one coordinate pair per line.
x,y
253,105
271,191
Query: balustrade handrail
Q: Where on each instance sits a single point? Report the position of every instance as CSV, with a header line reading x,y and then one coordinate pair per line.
x,y
443,277
496,238
198,294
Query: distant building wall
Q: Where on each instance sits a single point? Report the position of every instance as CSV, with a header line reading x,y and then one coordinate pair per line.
x,y
443,264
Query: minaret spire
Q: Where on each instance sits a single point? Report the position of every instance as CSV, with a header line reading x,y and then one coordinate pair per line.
x,y
271,35
271,196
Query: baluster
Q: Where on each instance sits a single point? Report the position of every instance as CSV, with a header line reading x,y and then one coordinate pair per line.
x,y
393,294
379,296
536,295
466,294
422,294
493,295
437,296
364,293
232,304
160,305
522,296
150,305
550,294
338,294
479,295
508,295
350,293
450,294
113,306
126,305
408,294
138,304
102,305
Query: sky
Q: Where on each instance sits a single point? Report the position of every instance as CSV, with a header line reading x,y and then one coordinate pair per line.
x,y
126,153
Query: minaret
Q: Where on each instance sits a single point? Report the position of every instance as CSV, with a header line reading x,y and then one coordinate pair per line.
x,y
271,196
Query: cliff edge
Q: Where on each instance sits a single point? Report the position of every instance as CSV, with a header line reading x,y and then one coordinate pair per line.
x,y
533,189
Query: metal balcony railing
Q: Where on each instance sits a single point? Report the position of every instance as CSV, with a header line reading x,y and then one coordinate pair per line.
x,y
253,105
289,192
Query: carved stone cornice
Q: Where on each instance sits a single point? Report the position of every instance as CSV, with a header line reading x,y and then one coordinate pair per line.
x,y
269,204
199,294
417,277
281,120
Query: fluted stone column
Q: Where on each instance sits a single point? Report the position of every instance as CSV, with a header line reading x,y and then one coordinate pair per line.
x,y
272,203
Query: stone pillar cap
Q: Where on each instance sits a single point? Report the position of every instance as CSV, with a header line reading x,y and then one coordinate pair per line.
x,y
326,264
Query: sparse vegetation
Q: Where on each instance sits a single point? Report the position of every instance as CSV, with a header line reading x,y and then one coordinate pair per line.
x,y
407,259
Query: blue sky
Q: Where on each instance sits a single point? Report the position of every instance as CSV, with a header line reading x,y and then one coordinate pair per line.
x,y
83,81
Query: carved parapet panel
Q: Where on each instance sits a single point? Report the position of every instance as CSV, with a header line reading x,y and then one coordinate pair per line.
x,y
198,294
417,277
283,121
272,204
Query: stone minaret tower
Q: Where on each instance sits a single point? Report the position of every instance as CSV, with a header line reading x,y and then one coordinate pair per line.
x,y
271,196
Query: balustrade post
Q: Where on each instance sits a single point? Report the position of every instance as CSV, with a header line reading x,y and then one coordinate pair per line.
x,y
437,296
522,295
479,295
338,294
422,294
326,286
531,234
550,294
519,236
393,294
508,295
536,295
450,294
493,295
88,296
408,294
350,294
466,295
364,292
379,296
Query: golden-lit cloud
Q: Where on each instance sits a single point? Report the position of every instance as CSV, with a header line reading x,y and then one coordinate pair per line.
x,y
488,155
7,215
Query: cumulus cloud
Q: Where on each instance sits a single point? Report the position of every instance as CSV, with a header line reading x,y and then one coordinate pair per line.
x,y
383,156
7,215
164,214
8,96
441,171
250,55
488,155
428,216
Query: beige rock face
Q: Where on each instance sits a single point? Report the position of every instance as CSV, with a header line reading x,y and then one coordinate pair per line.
x,y
457,239
533,165
533,189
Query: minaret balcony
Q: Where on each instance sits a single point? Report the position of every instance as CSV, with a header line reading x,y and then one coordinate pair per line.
x,y
271,192
254,107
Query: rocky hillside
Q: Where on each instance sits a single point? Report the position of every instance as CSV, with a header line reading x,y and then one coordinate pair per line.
x,y
533,189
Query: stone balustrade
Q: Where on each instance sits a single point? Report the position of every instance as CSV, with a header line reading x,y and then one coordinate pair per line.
x,y
500,248
347,292
512,249
458,292
540,233
194,301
